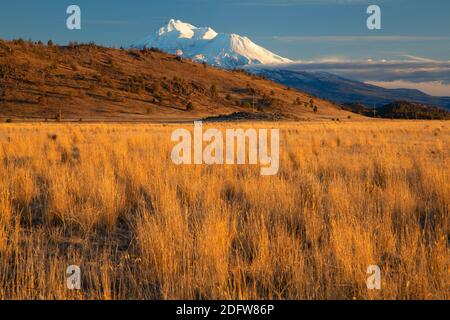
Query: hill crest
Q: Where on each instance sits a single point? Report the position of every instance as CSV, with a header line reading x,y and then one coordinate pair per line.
x,y
96,83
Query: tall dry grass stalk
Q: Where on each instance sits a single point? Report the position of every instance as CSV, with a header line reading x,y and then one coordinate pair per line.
x,y
109,199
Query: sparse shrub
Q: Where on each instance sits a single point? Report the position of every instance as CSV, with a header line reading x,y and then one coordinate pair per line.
x,y
251,90
50,43
156,88
213,91
58,116
135,54
8,120
179,86
246,104
157,50
19,41
6,71
315,109
189,106
53,66
79,77
135,84
266,101
42,100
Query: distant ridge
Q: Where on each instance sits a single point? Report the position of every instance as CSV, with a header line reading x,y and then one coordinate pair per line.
x,y
343,91
401,110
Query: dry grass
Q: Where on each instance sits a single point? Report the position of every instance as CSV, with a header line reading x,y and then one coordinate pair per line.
x,y
109,199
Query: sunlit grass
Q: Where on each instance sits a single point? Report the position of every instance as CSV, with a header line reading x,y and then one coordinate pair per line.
x,y
109,199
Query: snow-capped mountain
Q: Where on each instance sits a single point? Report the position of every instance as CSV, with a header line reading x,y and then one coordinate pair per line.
x,y
206,45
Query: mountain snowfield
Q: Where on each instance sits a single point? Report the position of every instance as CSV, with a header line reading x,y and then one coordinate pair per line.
x,y
206,45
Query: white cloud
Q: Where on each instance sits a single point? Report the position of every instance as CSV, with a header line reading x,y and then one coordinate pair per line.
x,y
430,76
415,69
434,88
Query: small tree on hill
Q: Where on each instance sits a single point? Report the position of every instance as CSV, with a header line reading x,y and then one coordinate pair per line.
x,y
246,104
58,117
213,91
42,100
156,90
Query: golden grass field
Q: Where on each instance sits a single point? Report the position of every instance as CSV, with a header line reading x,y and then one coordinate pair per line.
x,y
107,197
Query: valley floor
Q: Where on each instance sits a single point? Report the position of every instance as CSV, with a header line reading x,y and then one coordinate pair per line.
x,y
108,198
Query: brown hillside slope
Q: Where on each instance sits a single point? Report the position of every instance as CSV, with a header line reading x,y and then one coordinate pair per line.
x,y
92,83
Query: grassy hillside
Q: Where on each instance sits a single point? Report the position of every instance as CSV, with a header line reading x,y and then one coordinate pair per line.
x,y
91,83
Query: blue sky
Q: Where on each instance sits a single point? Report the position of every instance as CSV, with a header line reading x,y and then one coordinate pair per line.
x,y
306,30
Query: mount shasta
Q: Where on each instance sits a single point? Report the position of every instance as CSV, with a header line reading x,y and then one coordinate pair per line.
x,y
230,51
206,45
